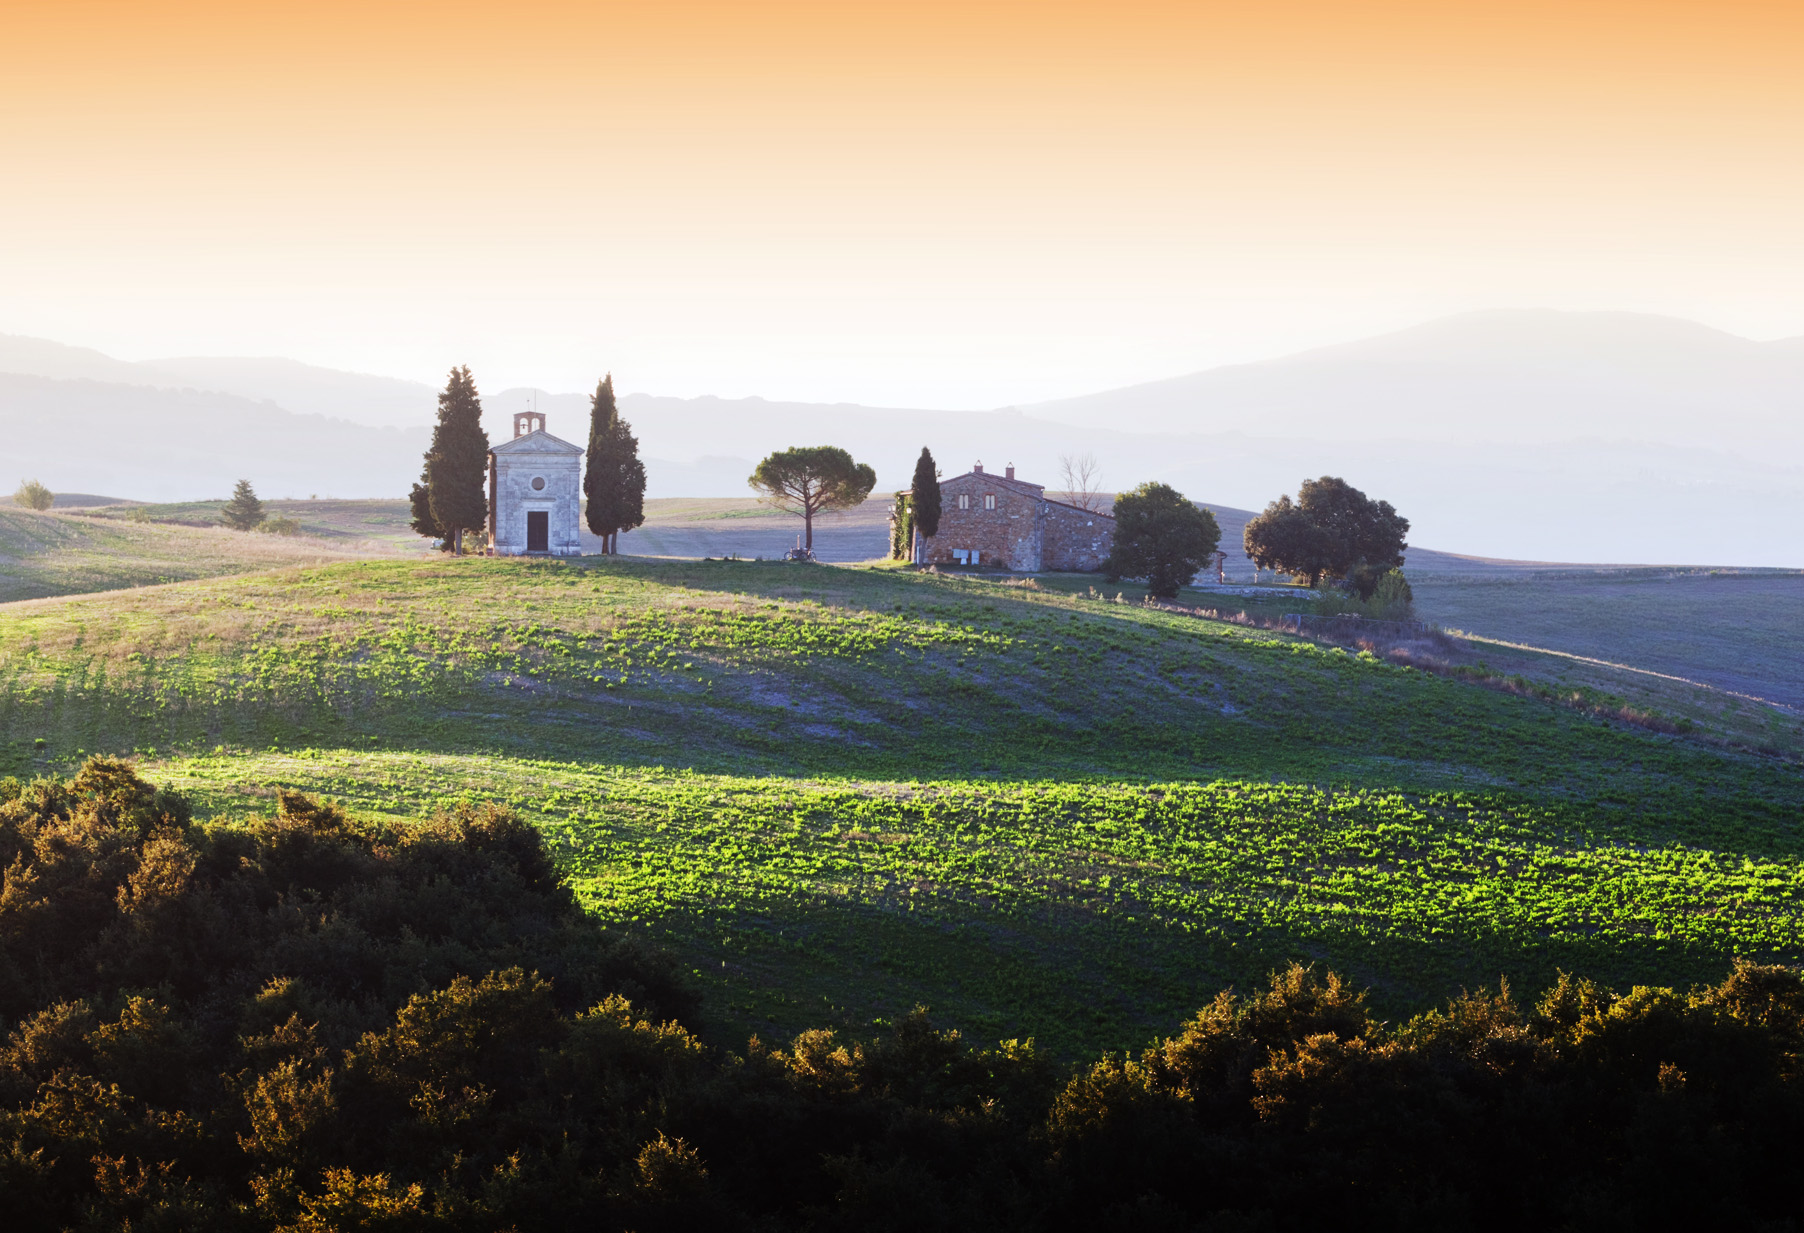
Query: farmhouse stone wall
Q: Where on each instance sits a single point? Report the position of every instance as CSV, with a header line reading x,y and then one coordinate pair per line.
x,y
1024,531
1075,538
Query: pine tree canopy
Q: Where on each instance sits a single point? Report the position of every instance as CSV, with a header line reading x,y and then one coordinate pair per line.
x,y
244,512
457,462
810,481
614,482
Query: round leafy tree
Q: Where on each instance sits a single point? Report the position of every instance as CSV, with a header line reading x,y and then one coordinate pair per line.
x,y
813,480
1332,530
1160,536
33,495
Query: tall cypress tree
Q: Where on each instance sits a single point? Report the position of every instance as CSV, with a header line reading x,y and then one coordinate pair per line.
x,y
614,483
420,500
457,462
926,503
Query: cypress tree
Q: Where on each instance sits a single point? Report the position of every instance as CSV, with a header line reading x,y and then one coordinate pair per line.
x,y
614,483
926,501
420,499
244,512
457,463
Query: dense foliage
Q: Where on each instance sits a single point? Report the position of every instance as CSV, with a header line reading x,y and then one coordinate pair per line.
x,y
304,1023
456,465
614,474
810,480
924,495
901,528
33,495
244,512
185,1003
1161,537
1332,530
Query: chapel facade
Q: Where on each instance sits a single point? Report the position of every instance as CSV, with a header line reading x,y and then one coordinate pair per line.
x,y
1006,523
535,493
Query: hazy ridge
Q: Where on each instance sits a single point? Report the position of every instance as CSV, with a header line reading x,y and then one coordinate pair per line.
x,y
1541,435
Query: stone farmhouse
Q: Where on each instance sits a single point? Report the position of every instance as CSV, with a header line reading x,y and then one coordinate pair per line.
x,y
535,492
1003,522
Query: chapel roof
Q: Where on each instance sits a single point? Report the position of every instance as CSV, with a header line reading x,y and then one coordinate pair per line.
x,y
539,442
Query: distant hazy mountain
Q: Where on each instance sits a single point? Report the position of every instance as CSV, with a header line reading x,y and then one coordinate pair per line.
x,y
379,402
382,402
175,444
1491,377
1552,436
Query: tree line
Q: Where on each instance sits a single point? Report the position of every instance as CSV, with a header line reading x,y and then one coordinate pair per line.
x,y
305,1023
451,498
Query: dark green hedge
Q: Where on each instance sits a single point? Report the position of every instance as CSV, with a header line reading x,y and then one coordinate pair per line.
x,y
310,1024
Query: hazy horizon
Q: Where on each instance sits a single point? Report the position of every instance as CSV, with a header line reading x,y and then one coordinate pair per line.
x,y
1547,436
930,205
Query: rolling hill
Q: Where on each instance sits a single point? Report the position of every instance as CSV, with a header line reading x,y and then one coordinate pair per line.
x,y
837,793
44,555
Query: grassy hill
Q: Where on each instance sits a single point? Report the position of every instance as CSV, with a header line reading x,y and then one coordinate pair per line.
x,y
44,554
836,793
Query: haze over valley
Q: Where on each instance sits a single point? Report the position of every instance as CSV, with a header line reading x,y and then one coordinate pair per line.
x,y
1605,437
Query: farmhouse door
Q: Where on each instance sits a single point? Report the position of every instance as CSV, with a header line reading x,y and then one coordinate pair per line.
x,y
538,530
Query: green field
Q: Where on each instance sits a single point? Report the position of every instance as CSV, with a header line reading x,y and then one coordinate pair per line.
x,y
73,554
350,525
837,793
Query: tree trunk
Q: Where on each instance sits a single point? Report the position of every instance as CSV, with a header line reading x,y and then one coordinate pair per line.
x,y
808,528
457,543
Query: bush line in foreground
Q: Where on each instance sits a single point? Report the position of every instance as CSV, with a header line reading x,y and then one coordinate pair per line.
x,y
307,1023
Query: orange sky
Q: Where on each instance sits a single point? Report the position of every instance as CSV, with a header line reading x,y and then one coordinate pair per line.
x,y
954,204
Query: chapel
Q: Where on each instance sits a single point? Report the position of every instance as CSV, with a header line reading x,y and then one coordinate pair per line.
x,y
535,492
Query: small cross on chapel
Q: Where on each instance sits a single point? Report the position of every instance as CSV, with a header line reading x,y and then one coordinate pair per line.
x,y
535,492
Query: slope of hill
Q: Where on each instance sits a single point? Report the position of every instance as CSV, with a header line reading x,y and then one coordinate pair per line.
x,y
54,554
836,793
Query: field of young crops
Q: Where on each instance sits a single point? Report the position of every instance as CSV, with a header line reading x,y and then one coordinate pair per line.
x,y
838,793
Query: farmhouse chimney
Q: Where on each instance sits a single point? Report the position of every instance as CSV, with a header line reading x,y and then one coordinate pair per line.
x,y
977,467
1010,473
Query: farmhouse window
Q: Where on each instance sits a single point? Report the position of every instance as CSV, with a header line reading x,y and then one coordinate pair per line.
x,y
989,500
964,500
